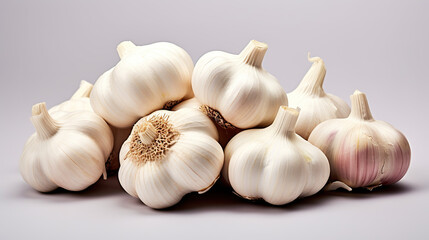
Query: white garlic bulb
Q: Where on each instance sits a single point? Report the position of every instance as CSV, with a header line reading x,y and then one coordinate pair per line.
x,y
274,163
68,150
80,102
170,154
224,134
145,79
362,152
237,87
316,105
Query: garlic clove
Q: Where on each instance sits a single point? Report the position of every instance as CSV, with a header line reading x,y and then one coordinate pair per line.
x,y
31,167
234,146
194,172
318,169
155,187
187,120
127,177
74,174
397,150
246,161
283,181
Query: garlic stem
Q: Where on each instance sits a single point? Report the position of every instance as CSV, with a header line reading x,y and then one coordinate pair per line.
x,y
84,90
254,53
285,120
44,124
360,107
125,48
312,83
147,133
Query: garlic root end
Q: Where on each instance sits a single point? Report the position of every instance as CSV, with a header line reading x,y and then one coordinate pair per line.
x,y
217,117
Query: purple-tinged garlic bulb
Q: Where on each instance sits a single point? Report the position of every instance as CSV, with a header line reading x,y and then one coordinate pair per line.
x,y
362,152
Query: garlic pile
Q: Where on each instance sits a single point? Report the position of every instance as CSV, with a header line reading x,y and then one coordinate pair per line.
x,y
362,152
274,163
316,105
227,101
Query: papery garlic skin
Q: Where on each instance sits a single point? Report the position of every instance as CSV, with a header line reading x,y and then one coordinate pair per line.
x,y
316,105
68,150
225,135
170,154
145,79
275,163
362,152
238,87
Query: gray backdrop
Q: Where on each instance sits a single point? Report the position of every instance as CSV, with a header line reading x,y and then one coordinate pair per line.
x,y
378,47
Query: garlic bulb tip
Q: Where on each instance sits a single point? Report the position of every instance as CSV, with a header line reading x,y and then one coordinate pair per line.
x,y
285,120
360,108
44,124
84,90
254,53
124,48
314,59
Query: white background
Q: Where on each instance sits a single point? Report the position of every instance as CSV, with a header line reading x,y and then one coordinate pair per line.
x,y
378,47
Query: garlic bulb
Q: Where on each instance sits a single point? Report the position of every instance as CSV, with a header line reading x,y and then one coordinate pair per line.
x,y
169,154
316,105
80,102
224,134
237,88
275,163
146,78
362,152
68,150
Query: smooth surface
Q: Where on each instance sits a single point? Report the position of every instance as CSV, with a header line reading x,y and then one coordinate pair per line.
x,y
378,47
